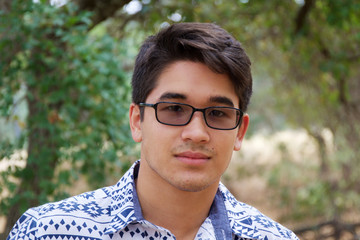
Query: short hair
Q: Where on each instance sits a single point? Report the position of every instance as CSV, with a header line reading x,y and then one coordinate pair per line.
x,y
206,43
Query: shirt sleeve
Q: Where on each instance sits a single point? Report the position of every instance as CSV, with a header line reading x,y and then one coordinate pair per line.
x,y
24,228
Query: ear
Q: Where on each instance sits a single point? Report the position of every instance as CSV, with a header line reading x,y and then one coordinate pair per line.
x,y
135,122
241,132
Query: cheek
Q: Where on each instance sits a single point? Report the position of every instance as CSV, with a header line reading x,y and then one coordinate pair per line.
x,y
158,138
225,146
229,141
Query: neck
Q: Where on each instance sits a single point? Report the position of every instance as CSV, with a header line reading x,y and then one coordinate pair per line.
x,y
181,212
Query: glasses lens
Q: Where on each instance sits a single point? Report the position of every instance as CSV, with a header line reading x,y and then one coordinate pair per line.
x,y
173,113
222,117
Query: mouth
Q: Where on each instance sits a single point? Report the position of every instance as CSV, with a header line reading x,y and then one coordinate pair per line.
x,y
193,158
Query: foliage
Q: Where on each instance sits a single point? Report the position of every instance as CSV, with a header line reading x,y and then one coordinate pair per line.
x,y
72,84
319,90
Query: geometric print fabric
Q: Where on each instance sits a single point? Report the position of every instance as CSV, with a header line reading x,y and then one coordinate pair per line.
x,y
114,212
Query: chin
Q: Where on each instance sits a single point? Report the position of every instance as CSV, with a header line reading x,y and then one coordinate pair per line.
x,y
193,186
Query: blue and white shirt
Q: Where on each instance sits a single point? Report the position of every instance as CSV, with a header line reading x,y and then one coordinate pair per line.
x,y
114,212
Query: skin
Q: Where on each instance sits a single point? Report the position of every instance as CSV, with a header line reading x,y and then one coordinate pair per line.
x,y
183,164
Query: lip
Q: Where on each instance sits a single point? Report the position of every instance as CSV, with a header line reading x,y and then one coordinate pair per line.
x,y
192,158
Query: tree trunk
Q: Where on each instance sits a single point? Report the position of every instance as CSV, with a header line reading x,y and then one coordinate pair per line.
x,y
44,139
43,147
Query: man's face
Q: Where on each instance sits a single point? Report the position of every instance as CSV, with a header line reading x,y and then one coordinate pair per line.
x,y
194,156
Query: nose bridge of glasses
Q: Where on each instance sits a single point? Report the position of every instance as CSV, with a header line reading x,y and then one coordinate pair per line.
x,y
194,110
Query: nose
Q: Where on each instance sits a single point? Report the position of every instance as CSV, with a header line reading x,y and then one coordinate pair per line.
x,y
196,130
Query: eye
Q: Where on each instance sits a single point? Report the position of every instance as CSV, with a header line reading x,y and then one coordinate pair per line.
x,y
217,113
174,108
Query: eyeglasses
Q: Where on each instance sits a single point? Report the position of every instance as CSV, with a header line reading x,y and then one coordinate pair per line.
x,y
180,114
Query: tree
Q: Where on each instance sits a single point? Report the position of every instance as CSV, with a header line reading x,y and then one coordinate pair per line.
x,y
73,83
319,90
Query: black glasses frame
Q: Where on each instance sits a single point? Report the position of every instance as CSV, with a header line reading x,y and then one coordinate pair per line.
x,y
193,111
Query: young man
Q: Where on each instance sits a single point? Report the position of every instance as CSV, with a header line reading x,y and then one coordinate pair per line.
x,y
191,86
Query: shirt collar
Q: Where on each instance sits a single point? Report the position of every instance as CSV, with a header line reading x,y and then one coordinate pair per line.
x,y
122,208
240,215
125,208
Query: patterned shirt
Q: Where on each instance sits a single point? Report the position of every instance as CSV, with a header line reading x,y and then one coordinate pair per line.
x,y
114,212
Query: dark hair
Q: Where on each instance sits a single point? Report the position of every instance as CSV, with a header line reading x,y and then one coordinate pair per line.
x,y
198,42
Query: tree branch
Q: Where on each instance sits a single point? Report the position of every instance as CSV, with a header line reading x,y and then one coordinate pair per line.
x,y
302,15
102,9
5,5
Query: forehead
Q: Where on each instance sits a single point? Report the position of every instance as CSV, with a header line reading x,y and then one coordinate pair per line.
x,y
193,82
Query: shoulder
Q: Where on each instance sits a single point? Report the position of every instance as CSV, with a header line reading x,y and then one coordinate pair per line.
x,y
81,213
247,221
86,215
90,204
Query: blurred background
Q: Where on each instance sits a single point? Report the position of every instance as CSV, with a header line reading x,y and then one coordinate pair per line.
x,y
65,70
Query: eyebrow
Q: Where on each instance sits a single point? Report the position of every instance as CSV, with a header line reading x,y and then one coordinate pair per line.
x,y
213,99
222,100
172,95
